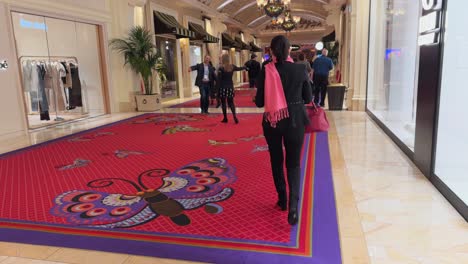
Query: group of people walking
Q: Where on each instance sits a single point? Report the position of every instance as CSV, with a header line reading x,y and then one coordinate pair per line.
x,y
283,90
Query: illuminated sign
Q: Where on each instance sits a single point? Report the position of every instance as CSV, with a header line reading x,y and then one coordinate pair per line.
x,y
3,65
392,53
430,22
429,5
33,25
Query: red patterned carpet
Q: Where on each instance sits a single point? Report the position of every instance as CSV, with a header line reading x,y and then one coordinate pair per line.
x,y
188,185
243,98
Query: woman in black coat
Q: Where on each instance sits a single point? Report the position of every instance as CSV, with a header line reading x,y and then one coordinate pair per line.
x,y
226,86
284,123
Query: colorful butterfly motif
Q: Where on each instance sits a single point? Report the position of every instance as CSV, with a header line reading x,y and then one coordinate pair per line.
x,y
200,184
182,128
78,163
91,137
220,142
251,138
260,148
168,119
122,154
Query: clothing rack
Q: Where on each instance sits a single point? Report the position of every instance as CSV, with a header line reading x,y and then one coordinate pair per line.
x,y
50,59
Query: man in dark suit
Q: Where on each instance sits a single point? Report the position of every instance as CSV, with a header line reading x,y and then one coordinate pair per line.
x,y
206,76
253,66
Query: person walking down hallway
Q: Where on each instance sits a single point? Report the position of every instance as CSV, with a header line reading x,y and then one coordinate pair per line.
x,y
226,86
302,60
206,76
321,68
283,88
253,67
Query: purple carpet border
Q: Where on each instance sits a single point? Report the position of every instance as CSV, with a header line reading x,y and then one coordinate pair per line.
x,y
326,243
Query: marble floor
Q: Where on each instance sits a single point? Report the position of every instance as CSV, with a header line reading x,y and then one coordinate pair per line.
x,y
388,211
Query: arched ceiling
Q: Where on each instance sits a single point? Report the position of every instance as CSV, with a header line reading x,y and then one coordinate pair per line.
x,y
246,14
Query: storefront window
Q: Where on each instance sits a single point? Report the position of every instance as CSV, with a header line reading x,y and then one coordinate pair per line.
x,y
451,164
393,65
237,62
167,47
195,58
60,69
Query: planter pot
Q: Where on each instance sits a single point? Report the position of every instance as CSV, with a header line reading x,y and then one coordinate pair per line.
x,y
148,103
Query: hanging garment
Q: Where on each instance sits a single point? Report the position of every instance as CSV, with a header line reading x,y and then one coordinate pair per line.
x,y
67,80
62,97
43,102
55,71
49,76
30,79
75,97
28,76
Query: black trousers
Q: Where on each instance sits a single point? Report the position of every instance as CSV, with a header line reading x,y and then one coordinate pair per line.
x,y
204,97
230,102
252,81
293,139
320,91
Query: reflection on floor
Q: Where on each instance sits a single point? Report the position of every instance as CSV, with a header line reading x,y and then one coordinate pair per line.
x,y
388,211
405,131
35,122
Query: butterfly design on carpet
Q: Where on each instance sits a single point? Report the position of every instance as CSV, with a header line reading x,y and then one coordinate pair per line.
x,y
202,183
90,137
220,142
123,154
251,138
182,128
168,119
260,148
78,163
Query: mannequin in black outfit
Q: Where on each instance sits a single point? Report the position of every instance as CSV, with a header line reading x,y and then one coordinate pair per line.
x,y
297,90
226,86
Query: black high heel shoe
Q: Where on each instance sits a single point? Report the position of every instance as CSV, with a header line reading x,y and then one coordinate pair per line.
x,y
282,205
292,216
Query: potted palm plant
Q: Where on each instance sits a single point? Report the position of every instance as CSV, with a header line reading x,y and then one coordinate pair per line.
x,y
142,56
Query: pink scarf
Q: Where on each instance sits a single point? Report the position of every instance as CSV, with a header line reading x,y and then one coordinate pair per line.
x,y
276,107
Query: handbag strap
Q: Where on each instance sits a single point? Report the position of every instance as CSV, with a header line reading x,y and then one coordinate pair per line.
x,y
313,105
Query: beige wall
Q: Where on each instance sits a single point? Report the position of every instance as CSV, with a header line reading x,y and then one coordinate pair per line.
x,y
12,115
113,17
124,15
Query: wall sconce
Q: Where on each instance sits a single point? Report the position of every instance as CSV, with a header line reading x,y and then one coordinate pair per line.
x,y
3,65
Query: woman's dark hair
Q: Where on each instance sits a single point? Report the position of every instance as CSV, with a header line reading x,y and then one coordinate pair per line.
x,y
301,57
280,48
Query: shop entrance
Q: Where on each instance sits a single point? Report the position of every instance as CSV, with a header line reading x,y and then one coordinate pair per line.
x,y
61,71
196,57
168,50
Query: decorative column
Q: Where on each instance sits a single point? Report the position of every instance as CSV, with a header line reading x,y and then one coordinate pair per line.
x,y
359,54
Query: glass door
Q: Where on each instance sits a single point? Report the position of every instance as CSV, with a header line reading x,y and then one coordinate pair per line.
x,y
168,50
452,132
195,58
238,74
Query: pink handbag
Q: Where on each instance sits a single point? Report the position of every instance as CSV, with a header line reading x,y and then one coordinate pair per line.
x,y
318,119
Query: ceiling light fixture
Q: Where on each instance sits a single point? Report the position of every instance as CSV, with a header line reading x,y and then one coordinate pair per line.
x,y
287,22
273,8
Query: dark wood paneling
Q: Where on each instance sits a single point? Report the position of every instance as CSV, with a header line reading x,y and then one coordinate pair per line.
x,y
429,75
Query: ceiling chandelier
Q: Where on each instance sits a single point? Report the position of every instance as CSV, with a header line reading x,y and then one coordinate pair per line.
x,y
273,8
288,22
